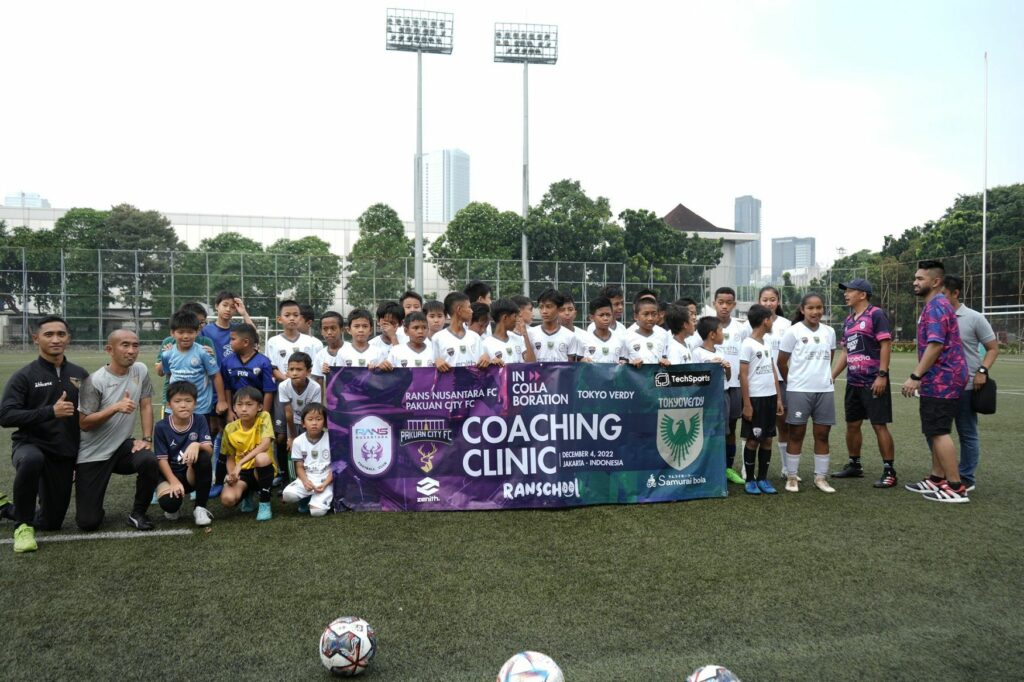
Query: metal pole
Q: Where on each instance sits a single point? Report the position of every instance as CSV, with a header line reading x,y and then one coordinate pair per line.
x,y
24,291
984,201
99,296
63,287
526,174
418,181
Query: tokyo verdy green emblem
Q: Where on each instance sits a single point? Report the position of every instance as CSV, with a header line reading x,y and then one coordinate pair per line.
x,y
680,436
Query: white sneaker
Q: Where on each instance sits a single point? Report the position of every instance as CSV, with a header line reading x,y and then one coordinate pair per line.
x,y
792,484
202,516
821,483
172,516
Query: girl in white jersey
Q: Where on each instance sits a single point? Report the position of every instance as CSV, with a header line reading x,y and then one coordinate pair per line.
x,y
805,363
771,299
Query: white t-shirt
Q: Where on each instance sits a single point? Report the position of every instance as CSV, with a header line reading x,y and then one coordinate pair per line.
x,y
556,347
679,353
323,357
286,393
385,347
509,352
810,361
616,328
604,352
315,457
774,337
660,331
350,357
702,354
756,361
279,349
581,339
404,356
456,351
732,339
648,349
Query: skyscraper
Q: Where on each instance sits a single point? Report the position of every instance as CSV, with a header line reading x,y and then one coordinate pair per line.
x,y
25,200
748,254
792,253
445,184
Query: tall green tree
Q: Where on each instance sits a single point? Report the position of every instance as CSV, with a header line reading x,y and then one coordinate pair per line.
x,y
482,243
379,265
306,270
225,262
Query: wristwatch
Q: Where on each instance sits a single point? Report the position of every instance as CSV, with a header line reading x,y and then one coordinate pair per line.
x,y
148,439
914,377
983,370
884,373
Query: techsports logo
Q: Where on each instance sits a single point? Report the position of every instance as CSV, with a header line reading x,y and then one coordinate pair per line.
x,y
680,436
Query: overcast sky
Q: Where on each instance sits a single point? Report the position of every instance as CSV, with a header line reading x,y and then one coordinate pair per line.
x,y
849,120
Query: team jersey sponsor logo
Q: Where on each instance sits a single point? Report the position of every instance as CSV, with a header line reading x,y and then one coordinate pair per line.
x,y
405,363
450,351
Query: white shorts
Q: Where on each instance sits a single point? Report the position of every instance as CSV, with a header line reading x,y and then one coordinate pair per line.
x,y
319,503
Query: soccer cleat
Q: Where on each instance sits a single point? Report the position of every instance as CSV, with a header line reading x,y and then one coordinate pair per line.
x,y
246,506
279,481
733,476
970,486
766,487
264,514
202,516
139,521
947,494
784,475
821,483
304,506
25,539
925,485
7,512
888,479
172,516
216,489
751,488
792,484
851,470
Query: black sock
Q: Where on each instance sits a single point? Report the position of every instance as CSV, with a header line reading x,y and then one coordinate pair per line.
x,y
730,454
203,470
764,456
887,465
855,461
955,485
749,457
264,481
935,479
222,469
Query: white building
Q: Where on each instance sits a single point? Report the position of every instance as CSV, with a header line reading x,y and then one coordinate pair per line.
x,y
445,184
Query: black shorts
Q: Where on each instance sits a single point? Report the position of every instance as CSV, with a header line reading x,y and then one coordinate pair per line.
x,y
762,424
734,404
860,404
937,415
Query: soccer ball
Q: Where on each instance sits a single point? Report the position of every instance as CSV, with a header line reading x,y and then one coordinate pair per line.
x,y
347,646
712,673
530,666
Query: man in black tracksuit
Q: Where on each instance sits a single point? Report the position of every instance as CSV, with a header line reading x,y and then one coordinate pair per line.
x,y
41,402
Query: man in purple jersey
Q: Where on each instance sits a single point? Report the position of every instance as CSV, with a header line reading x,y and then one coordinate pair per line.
x,y
939,378
867,346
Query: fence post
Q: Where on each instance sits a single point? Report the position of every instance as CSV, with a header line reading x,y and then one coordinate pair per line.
x,y
497,283
24,300
556,275
374,278
137,298
309,279
63,288
650,276
172,308
207,261
241,275
99,296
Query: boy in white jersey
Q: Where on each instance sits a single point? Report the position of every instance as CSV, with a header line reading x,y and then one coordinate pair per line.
x,y
710,329
389,322
525,306
805,362
434,310
359,353
601,345
458,346
759,386
551,341
613,293
480,292
733,333
417,351
567,314
646,346
328,357
647,295
771,298
411,302
505,346
481,319
681,326
313,486
297,392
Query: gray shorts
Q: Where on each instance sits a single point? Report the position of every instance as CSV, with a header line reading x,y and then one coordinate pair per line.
x,y
817,407
278,416
734,403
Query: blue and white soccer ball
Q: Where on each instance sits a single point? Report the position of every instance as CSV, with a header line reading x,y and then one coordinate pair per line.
x,y
712,673
530,666
347,646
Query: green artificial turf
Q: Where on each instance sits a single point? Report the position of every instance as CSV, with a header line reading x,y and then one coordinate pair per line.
x,y
862,585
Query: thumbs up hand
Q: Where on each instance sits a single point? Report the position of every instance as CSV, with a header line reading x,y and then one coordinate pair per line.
x,y
63,407
125,405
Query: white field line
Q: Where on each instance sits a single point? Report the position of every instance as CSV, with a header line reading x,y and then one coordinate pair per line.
x,y
111,535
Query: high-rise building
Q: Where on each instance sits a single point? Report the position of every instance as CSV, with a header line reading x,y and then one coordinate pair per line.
x,y
25,200
791,253
445,184
748,254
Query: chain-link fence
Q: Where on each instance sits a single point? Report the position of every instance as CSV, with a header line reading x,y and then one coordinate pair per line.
x,y
100,291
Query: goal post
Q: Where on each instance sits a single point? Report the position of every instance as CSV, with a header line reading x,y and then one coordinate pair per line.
x,y
261,323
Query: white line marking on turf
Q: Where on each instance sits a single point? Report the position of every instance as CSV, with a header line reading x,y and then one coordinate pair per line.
x,y
111,535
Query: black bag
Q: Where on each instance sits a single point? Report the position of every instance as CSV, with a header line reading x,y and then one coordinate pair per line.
x,y
983,400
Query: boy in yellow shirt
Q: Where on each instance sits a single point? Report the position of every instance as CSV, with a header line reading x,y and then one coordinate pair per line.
x,y
246,442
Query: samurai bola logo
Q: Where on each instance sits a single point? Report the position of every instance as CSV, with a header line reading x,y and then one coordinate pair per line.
x,y
680,436
372,446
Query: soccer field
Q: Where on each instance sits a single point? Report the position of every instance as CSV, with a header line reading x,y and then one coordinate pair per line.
x,y
865,584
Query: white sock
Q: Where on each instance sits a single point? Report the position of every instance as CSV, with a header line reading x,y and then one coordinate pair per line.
x,y
820,465
782,457
782,449
792,463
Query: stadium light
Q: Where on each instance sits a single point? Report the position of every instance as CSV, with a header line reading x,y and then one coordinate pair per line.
x,y
526,44
419,31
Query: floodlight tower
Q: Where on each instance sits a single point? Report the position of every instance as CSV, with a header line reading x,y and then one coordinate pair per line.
x,y
419,31
526,44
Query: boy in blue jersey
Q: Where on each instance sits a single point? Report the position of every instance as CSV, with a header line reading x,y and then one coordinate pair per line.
x,y
188,361
182,445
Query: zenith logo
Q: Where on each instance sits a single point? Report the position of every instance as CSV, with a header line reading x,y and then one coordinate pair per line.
x,y
427,486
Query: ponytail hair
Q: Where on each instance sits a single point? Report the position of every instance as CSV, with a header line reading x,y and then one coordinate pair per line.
x,y
778,294
799,315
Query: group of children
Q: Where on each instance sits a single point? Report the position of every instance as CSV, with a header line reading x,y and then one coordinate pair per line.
x,y
236,417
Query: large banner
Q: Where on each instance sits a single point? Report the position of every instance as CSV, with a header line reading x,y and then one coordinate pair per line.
x,y
551,435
